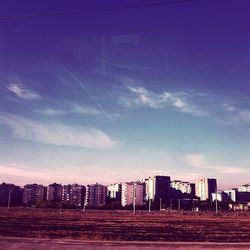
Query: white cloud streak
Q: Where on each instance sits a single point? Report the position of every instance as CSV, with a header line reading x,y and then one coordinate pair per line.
x,y
56,133
25,172
199,161
235,115
140,96
22,92
73,109
197,104
21,174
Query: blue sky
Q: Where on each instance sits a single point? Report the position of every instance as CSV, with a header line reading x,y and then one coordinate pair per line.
x,y
123,95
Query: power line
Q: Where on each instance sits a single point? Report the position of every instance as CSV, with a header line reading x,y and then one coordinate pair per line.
x,y
93,11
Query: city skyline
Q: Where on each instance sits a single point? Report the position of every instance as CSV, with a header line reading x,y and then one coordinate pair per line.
x,y
122,95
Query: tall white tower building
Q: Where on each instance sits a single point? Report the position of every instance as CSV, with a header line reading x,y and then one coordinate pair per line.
x,y
204,187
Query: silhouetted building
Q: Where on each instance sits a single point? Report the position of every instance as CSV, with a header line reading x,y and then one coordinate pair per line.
x,y
10,194
96,195
162,188
204,187
242,197
54,192
33,194
240,194
158,189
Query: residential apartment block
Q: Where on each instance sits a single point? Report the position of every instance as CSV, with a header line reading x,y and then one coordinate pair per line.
x,y
132,193
96,195
33,194
204,187
54,192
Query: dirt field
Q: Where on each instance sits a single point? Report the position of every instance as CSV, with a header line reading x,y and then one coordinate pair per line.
x,y
124,226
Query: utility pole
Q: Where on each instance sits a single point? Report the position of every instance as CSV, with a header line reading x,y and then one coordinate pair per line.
x,y
160,204
134,189
9,198
149,205
216,202
85,201
179,204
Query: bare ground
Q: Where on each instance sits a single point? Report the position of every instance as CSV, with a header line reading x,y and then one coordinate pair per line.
x,y
124,226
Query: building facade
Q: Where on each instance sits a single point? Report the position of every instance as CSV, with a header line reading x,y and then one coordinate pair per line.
x,y
150,188
183,186
158,188
96,195
132,193
10,195
232,194
73,195
54,192
244,188
33,194
114,192
204,187
220,196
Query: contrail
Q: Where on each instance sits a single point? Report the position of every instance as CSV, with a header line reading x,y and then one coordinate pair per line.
x,y
90,95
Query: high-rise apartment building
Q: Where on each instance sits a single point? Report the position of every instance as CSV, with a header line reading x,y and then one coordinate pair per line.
x,y
244,188
114,192
10,194
33,194
204,187
132,192
73,195
232,194
158,188
96,195
220,196
239,195
54,192
184,187
150,188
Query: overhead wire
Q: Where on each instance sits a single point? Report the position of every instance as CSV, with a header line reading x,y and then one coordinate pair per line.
x,y
93,11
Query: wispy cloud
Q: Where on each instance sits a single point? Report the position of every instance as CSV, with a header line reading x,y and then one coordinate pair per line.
x,y
22,92
235,115
73,108
22,174
199,161
140,96
19,171
56,133
189,101
53,112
